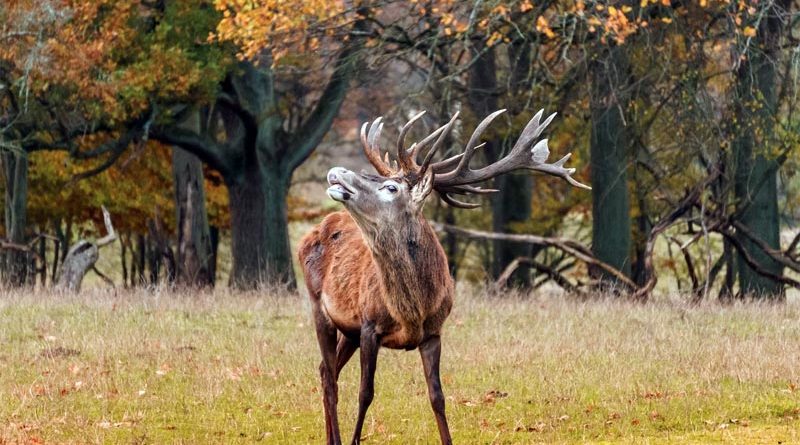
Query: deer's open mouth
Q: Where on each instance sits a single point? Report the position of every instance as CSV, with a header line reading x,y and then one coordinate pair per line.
x,y
339,191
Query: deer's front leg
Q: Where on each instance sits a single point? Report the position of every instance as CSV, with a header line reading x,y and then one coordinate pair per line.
x,y
326,336
369,359
431,350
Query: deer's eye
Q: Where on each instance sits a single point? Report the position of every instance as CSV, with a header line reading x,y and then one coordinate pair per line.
x,y
391,188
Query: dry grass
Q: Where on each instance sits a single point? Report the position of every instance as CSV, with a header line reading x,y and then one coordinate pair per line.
x,y
156,367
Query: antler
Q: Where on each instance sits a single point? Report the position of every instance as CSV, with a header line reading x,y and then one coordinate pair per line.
x,y
459,180
406,164
370,140
453,176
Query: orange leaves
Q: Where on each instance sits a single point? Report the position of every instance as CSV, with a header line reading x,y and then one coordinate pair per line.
x,y
544,27
105,54
278,26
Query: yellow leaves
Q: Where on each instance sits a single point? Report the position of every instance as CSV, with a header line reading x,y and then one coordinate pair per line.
x,y
618,25
451,24
580,7
749,31
494,38
525,6
501,10
282,26
544,27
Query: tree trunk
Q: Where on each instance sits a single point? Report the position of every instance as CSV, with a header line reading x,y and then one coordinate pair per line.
x,y
15,262
153,261
123,255
258,156
212,263
451,243
512,203
140,257
260,234
755,176
43,260
611,223
81,257
194,237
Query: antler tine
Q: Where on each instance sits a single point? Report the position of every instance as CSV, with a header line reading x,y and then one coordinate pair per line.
x,y
370,140
468,189
450,162
532,130
452,202
403,158
471,146
539,154
417,146
444,131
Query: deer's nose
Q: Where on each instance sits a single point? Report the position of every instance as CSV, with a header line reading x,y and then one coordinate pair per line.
x,y
336,174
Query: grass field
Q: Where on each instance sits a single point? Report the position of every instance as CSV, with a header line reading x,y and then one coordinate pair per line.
x,y
157,367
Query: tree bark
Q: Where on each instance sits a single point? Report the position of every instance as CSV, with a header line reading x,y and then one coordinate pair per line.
x,y
194,237
260,234
15,262
212,264
43,259
611,222
512,204
82,257
755,176
140,258
123,256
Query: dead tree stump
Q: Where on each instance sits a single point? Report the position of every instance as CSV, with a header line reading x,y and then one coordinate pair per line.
x,y
82,257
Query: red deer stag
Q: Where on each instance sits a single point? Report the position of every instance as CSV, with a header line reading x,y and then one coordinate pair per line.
x,y
376,273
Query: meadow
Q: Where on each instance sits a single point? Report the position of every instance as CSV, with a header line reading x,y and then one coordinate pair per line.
x,y
117,366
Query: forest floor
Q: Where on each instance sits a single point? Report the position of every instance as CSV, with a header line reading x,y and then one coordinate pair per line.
x,y
159,367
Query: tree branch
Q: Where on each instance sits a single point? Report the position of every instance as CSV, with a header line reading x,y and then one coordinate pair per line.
x,y
665,223
570,247
553,274
202,146
753,263
116,148
311,132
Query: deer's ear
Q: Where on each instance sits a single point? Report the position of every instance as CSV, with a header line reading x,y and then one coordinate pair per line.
x,y
422,189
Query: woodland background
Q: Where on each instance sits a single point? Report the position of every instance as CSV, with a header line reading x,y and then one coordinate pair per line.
x,y
206,129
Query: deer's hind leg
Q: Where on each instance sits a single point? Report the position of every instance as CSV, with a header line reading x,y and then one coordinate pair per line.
x,y
326,336
344,351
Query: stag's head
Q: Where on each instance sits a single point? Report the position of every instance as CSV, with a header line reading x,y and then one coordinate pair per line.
x,y
401,186
375,199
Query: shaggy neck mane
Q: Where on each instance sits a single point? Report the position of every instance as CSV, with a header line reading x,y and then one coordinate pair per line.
x,y
409,263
